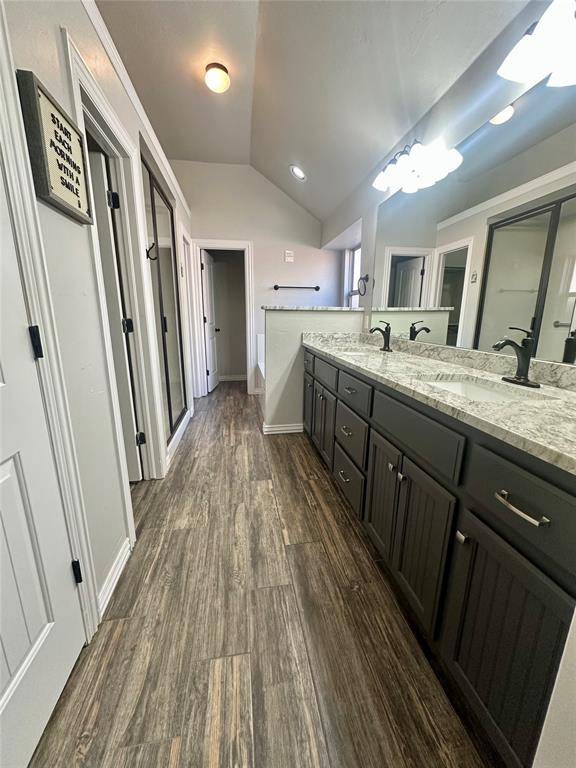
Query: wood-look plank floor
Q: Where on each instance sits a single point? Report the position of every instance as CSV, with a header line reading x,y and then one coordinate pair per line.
x,y
252,626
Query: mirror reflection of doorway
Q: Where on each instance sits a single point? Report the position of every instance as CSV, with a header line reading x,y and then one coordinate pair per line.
x,y
406,281
452,290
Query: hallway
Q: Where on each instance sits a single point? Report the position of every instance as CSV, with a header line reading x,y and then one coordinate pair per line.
x,y
251,626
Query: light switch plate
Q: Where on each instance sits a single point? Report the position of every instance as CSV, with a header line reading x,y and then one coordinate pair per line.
x,y
288,256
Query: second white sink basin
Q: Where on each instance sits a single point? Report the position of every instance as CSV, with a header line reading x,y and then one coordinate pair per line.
x,y
473,388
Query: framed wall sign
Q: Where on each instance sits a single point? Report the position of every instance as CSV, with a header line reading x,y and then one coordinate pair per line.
x,y
56,149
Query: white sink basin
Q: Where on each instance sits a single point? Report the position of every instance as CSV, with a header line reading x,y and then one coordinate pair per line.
x,y
473,388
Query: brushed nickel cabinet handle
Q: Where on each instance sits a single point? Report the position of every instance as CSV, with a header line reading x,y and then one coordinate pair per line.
x,y
461,538
346,430
503,496
400,477
350,390
343,476
391,467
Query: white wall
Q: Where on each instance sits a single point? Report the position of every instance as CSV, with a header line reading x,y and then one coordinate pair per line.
x,y
38,45
235,202
230,313
283,400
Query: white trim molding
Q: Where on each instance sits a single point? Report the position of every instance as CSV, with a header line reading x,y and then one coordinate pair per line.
x,y
177,436
151,139
196,311
281,429
36,287
558,174
385,266
114,574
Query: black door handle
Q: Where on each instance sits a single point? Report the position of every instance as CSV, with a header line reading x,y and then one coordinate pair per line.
x,y
217,330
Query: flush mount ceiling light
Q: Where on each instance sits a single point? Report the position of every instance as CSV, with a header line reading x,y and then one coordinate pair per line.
x,y
418,166
217,77
547,49
297,172
503,116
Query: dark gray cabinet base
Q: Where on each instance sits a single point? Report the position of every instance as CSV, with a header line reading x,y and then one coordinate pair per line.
x,y
504,633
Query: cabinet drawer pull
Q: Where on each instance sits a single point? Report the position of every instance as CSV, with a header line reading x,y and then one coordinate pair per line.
x,y
350,390
319,396
346,430
343,476
391,467
461,538
502,496
400,477
309,385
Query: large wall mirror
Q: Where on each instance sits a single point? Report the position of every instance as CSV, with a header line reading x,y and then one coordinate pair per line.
x,y
493,245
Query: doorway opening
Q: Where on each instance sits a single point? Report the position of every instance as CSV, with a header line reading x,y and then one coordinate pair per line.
x,y
453,265
224,315
106,214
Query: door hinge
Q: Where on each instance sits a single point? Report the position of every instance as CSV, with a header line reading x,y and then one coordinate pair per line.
x,y
164,323
77,571
36,340
205,319
113,199
127,325
202,266
140,438
207,372
422,271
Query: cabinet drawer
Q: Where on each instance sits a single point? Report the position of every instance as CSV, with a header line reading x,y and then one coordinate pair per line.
x,y
308,361
326,373
442,448
351,433
349,478
524,503
355,392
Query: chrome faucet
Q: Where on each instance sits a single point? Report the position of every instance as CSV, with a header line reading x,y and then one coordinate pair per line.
x,y
415,331
385,335
524,352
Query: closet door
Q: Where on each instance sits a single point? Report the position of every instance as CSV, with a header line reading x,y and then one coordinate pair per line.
x,y
161,254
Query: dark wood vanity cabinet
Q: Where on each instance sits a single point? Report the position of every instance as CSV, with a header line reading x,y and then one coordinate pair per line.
x,y
323,415
421,535
308,402
503,635
492,588
380,510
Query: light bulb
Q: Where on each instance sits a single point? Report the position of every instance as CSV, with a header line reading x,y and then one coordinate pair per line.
x,y
217,77
297,172
503,116
453,160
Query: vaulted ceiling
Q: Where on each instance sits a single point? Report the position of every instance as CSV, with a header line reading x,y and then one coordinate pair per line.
x,y
330,85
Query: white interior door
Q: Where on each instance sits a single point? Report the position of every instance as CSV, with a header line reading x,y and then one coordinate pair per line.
x,y
41,628
409,282
209,320
120,340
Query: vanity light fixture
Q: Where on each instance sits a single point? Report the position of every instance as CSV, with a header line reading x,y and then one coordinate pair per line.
x,y
217,78
418,166
297,172
503,116
546,49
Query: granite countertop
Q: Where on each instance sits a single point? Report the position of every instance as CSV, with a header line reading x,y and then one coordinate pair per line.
x,y
280,307
541,422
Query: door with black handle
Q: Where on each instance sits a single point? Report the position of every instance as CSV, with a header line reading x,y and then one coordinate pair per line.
x,y
504,632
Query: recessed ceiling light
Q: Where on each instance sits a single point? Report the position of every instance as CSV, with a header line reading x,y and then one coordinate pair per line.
x,y
217,77
503,116
297,172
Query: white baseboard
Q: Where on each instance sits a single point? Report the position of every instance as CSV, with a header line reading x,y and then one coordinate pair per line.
x,y
176,438
233,377
281,429
114,574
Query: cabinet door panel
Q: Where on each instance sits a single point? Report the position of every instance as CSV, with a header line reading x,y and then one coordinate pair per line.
x,y
425,514
381,496
308,403
505,629
318,416
327,445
